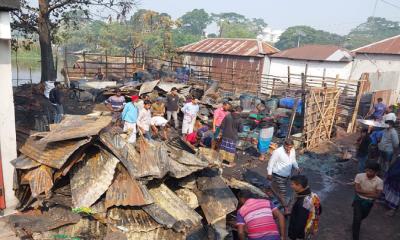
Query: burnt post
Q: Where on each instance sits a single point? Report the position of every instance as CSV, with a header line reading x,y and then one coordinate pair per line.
x,y
106,64
125,66
84,64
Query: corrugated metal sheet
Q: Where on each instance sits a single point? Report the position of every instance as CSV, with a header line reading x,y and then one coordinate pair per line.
x,y
240,185
9,4
176,207
129,157
54,218
40,180
386,46
92,177
138,225
216,198
316,53
126,191
226,46
51,154
78,127
148,87
24,162
161,216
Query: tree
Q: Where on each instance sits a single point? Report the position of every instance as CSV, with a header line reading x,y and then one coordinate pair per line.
x,y
234,25
195,22
375,29
301,35
45,20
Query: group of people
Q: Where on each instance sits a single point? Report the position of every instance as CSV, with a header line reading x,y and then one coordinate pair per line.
x,y
256,216
377,156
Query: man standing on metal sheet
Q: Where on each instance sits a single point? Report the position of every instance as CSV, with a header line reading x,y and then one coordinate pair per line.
x,y
129,116
158,108
190,111
219,115
116,104
172,106
144,119
56,99
258,216
280,166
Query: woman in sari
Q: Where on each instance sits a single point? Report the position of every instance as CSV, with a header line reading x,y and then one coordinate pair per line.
x,y
391,188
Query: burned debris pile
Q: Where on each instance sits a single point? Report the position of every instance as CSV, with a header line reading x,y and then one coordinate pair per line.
x,y
82,179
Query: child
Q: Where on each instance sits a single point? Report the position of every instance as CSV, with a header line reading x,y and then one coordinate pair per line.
x,y
306,210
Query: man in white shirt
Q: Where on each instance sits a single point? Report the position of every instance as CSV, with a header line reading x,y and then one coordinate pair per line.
x,y
190,111
280,167
144,119
368,187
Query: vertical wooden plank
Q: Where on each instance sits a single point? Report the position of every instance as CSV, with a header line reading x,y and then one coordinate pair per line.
x,y
336,80
288,77
360,91
273,87
323,78
106,64
2,190
84,64
65,66
125,66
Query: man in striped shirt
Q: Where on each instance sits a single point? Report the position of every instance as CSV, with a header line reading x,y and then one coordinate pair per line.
x,y
257,218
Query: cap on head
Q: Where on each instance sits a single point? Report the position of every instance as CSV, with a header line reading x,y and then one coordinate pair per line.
x,y
134,98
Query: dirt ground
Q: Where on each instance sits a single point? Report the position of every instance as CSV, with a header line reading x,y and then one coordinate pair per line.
x,y
331,179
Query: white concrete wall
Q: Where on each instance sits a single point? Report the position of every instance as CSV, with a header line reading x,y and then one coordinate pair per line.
x,y
374,63
8,146
279,67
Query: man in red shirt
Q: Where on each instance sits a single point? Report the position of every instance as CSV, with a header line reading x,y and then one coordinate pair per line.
x,y
257,216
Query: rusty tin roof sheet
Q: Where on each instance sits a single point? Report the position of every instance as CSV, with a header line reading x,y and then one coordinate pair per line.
x,y
230,46
24,162
77,127
126,191
129,157
315,52
54,218
92,177
166,199
139,225
40,180
51,154
216,198
387,46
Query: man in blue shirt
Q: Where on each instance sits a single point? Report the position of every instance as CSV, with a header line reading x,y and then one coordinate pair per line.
x,y
130,116
379,109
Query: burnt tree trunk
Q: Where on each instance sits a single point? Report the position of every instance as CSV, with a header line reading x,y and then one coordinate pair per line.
x,y
47,61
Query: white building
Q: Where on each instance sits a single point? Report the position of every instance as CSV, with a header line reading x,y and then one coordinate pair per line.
x,y
8,146
328,60
382,61
270,35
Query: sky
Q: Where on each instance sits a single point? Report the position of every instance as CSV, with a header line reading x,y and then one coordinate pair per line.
x,y
338,16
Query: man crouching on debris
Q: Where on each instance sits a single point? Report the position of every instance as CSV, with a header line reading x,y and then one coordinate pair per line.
x,y
280,167
257,217
144,120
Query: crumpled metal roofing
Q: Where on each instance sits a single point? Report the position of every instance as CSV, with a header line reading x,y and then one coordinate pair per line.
x,y
54,218
74,126
40,180
92,177
216,198
136,224
230,46
148,87
126,191
51,154
166,199
240,185
129,157
386,46
24,162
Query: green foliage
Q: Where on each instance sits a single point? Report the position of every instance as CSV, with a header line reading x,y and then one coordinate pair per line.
x,y
233,25
180,38
306,35
375,29
195,22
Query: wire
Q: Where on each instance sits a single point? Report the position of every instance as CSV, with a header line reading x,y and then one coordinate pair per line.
x,y
391,4
374,11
